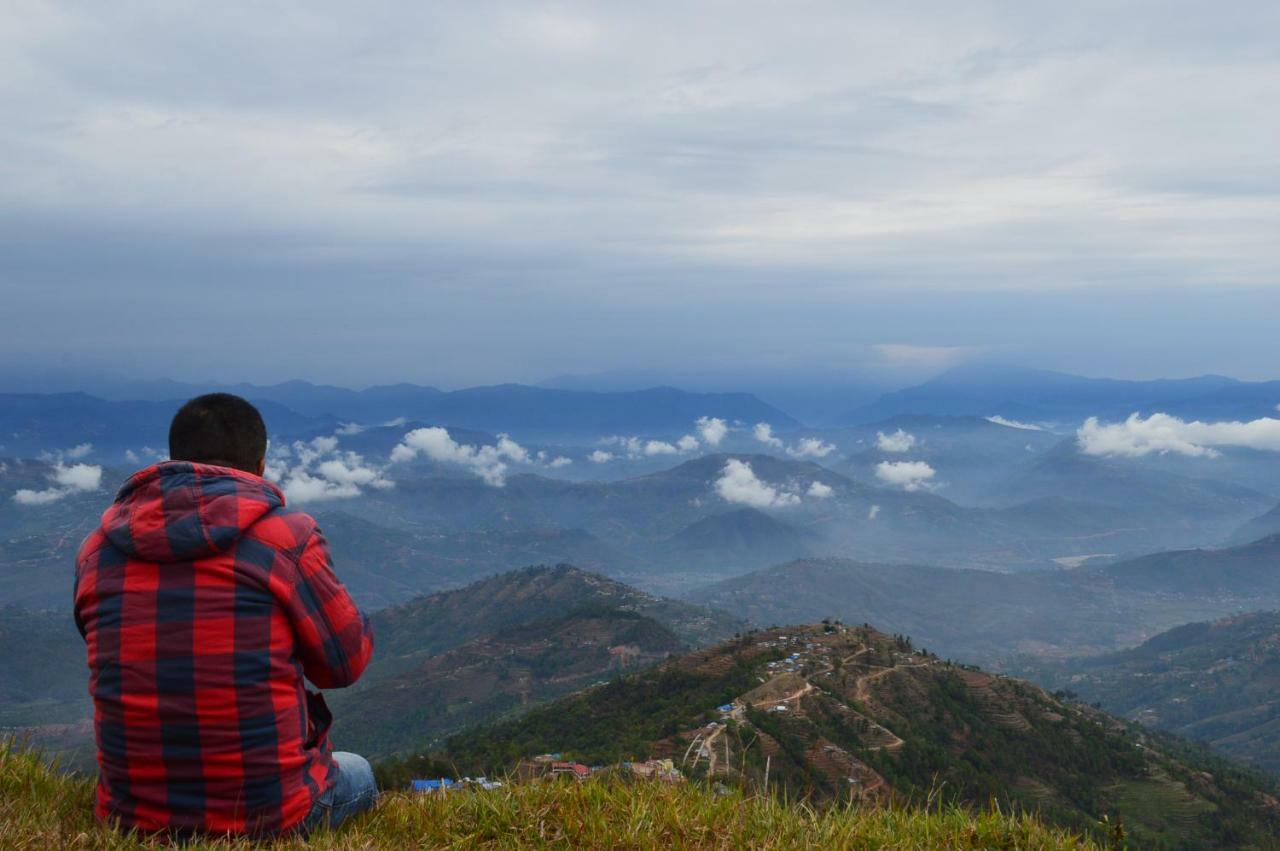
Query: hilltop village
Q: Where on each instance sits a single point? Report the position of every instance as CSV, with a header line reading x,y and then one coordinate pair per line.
x,y
790,667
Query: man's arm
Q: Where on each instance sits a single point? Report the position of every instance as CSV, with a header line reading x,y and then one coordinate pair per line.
x,y
335,640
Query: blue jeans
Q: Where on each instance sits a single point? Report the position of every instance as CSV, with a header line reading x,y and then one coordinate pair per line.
x,y
355,792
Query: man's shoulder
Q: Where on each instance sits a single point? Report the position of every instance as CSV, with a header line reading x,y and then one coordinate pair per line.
x,y
284,528
91,546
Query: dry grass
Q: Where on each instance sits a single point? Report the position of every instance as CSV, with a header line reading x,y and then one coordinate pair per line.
x,y
43,810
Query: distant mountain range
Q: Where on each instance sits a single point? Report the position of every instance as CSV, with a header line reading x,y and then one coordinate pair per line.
x,y
832,712
31,423
1218,682
744,538
384,566
992,618
1252,568
681,527
560,409
1187,510
1042,396
972,455
1259,527
647,517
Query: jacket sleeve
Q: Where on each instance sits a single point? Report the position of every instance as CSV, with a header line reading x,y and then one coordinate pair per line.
x,y
334,638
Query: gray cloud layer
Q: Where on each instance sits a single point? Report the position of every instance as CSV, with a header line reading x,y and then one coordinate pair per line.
x,y
404,180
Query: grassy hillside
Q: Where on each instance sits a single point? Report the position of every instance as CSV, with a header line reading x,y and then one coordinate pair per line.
x,y
495,676
1216,682
836,714
42,668
42,809
408,634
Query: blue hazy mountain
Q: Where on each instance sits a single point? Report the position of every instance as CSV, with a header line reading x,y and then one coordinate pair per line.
x,y
742,539
991,618
1259,527
32,423
1240,571
1189,510
971,454
1035,395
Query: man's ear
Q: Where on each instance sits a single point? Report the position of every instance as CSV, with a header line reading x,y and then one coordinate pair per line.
x,y
262,466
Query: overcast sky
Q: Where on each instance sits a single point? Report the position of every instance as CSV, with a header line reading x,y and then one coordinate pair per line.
x,y
472,192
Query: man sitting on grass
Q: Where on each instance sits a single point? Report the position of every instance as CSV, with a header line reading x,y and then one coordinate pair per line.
x,y
204,602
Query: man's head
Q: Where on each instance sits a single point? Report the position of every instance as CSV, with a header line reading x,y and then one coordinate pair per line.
x,y
220,429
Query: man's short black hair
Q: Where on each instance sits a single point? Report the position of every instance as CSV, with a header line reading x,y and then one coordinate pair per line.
x,y
219,428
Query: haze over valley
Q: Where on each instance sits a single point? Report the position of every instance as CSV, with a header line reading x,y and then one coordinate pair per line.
x,y
1033,527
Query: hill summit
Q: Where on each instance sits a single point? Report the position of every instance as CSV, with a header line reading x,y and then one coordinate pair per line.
x,y
831,713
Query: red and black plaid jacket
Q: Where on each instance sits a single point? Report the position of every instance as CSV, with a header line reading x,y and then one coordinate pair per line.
x,y
204,602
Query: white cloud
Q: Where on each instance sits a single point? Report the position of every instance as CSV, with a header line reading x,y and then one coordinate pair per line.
x,y
600,457
712,430
434,442
316,470
764,433
508,448
999,420
131,456
325,444
738,483
301,486
1161,433
487,462
818,490
807,447
350,470
908,475
934,358
26,496
660,447
349,429
874,512
899,441
76,478
810,447
314,448
632,447
77,452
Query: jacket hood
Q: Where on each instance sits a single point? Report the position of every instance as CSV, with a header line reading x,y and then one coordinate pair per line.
x,y
180,511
